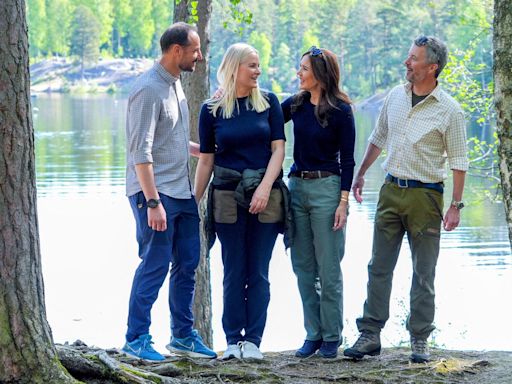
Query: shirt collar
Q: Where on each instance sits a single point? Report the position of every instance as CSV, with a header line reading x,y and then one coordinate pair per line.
x,y
168,77
436,92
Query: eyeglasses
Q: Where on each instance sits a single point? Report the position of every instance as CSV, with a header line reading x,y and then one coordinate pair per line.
x,y
314,51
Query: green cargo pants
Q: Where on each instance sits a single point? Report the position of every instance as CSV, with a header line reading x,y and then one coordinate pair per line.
x,y
316,255
417,212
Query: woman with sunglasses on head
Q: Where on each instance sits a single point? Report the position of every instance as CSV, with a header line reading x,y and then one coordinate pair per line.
x,y
319,182
242,142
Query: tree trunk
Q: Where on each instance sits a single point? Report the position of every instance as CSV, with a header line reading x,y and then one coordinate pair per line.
x,y
503,99
196,87
27,354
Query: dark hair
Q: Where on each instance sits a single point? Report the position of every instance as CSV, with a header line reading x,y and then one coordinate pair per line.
x,y
437,53
326,70
177,33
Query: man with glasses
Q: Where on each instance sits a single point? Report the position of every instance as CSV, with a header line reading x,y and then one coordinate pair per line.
x,y
421,127
160,194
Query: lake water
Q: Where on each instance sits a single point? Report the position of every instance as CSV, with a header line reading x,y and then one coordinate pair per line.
x,y
89,251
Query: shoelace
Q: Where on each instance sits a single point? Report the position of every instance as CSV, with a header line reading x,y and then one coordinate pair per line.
x,y
419,345
365,336
146,345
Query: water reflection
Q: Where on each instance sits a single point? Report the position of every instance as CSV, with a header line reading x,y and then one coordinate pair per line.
x,y
88,242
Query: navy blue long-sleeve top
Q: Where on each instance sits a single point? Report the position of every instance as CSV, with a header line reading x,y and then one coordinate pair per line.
x,y
244,140
318,148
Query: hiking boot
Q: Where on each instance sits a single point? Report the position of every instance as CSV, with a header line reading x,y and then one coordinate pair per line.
x,y
141,349
367,344
309,348
420,353
251,351
233,351
329,349
192,346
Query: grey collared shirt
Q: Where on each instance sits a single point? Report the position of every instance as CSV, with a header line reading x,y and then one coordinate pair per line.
x,y
157,132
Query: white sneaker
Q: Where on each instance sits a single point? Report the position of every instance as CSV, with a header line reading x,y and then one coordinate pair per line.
x,y
251,351
233,351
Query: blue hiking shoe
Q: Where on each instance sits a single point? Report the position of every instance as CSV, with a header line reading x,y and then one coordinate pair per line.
x,y
329,349
141,348
308,349
192,346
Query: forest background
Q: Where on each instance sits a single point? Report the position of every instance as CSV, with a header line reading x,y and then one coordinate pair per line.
x,y
370,38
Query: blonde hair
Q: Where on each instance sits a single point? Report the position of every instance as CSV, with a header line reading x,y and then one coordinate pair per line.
x,y
227,75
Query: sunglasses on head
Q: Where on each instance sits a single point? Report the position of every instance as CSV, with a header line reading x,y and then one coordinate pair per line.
x,y
314,51
421,41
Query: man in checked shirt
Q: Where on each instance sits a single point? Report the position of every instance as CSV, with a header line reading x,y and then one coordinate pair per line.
x,y
160,194
421,127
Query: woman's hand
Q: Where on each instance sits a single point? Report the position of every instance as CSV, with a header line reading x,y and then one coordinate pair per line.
x,y
260,198
340,216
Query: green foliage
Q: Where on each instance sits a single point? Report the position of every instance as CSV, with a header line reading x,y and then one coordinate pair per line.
x,y
468,80
85,36
142,29
36,14
240,15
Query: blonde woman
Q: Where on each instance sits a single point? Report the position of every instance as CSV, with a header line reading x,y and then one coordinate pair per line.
x,y
242,143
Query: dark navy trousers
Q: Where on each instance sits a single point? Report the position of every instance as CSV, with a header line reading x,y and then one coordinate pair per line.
x,y
179,247
246,252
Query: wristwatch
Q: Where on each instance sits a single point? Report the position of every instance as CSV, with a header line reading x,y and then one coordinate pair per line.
x,y
457,204
153,203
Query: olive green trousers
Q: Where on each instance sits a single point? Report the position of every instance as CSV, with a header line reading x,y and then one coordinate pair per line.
x,y
417,212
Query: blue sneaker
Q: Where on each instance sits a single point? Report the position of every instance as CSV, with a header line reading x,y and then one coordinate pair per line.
x,y
141,348
329,349
192,346
308,349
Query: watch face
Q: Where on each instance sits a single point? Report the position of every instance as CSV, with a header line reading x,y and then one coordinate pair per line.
x,y
458,204
153,203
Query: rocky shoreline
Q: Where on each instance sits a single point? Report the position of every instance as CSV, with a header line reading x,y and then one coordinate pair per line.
x,y
64,75
97,366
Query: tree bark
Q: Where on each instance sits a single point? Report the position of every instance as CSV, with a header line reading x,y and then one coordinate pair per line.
x,y
27,354
196,87
503,99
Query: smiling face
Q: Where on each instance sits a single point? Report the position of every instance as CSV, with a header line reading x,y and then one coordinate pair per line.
x,y
247,75
418,69
308,81
191,53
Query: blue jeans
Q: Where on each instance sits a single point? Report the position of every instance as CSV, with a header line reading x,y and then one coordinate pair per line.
x,y
247,246
316,255
178,245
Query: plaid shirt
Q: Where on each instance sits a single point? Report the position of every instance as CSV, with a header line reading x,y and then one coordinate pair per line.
x,y
419,139
157,132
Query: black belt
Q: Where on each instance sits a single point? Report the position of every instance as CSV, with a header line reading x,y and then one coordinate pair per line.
x,y
311,174
404,183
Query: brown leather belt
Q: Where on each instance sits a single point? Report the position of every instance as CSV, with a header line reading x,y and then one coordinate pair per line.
x,y
311,174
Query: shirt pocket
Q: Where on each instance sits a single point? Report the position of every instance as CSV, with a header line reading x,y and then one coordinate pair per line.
x,y
427,129
169,115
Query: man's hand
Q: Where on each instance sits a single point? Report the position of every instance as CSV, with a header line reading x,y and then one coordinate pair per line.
x,y
451,219
357,188
157,219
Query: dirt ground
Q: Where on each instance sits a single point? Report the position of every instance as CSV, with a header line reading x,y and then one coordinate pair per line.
x,y
392,366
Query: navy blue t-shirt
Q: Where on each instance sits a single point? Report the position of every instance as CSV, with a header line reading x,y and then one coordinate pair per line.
x,y
242,141
318,148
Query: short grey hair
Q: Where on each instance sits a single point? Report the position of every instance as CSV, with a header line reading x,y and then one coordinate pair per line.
x,y
437,53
